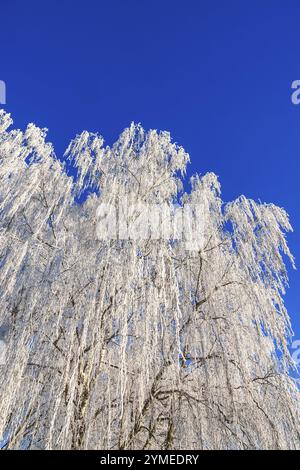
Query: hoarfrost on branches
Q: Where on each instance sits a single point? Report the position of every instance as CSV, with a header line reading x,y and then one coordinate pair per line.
x,y
137,344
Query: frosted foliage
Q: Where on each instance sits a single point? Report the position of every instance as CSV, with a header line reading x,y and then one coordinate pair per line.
x,y
123,344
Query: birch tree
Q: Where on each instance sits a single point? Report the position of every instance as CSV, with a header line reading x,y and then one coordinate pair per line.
x,y
137,343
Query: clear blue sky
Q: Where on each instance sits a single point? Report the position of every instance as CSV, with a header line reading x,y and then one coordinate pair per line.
x,y
217,74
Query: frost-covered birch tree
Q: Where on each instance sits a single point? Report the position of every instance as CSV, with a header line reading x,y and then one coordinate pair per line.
x,y
125,343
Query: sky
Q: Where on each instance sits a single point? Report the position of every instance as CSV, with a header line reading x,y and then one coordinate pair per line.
x,y
216,74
